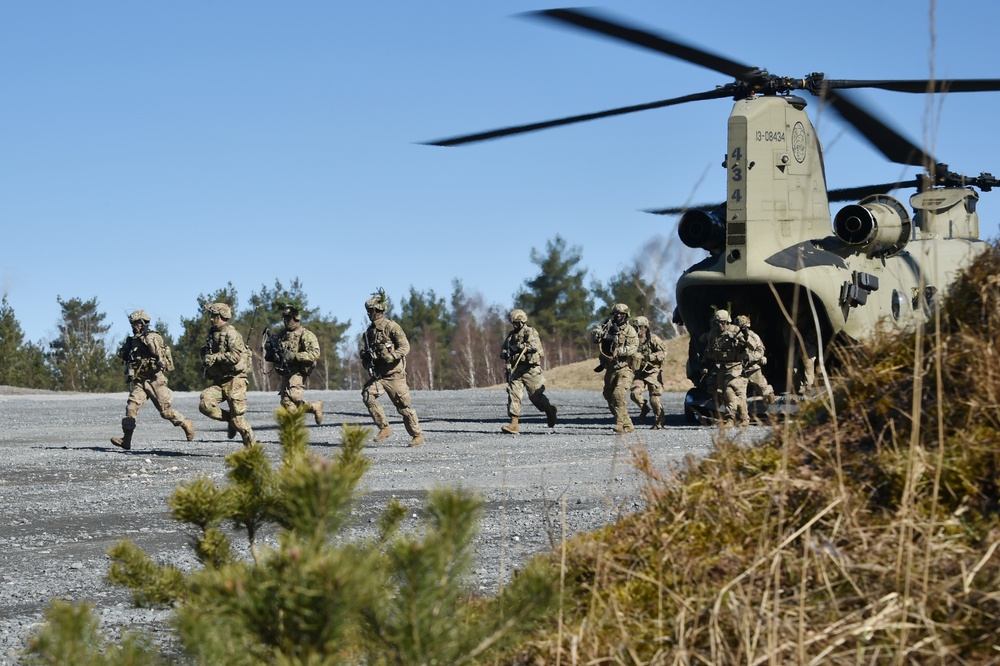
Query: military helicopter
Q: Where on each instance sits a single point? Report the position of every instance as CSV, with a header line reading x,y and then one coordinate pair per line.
x,y
806,280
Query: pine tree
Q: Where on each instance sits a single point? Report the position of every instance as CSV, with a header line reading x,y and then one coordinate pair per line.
x,y
557,303
79,356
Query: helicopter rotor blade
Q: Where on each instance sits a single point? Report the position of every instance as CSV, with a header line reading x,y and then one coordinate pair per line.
x,y
840,194
858,193
678,210
533,127
918,85
888,141
616,29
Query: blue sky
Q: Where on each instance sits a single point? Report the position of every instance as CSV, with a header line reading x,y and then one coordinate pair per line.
x,y
154,151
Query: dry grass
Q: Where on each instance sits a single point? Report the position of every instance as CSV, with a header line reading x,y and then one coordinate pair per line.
x,y
864,533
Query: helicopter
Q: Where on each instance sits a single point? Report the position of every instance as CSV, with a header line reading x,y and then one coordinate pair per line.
x,y
807,279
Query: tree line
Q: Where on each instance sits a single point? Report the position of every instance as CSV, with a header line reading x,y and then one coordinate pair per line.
x,y
455,340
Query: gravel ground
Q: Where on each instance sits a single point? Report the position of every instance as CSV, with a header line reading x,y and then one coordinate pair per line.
x,y
68,495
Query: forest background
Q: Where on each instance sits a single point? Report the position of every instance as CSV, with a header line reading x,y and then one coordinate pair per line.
x,y
454,340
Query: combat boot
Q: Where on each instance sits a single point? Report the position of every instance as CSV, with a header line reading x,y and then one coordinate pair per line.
x,y
317,410
383,433
188,427
624,428
417,440
512,427
644,412
550,416
247,439
125,441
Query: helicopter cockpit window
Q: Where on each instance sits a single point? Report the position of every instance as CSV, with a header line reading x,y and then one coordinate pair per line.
x,y
970,204
897,302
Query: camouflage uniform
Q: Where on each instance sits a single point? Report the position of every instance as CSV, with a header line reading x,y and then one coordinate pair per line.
x,y
619,346
727,350
648,377
383,354
226,359
522,350
294,353
147,358
755,361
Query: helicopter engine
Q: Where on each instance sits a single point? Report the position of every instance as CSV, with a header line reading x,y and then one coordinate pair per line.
x,y
702,230
879,224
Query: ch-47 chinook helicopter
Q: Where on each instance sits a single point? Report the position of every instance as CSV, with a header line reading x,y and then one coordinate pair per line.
x,y
805,280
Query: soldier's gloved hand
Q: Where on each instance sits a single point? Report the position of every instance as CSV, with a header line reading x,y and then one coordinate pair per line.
x,y
290,356
504,354
386,356
763,360
210,360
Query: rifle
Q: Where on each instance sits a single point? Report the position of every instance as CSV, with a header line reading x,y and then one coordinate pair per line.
x,y
510,367
368,356
128,355
206,349
276,352
604,335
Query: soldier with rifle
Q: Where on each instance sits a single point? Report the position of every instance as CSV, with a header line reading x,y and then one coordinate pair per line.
x,y
648,377
619,347
294,353
522,352
226,360
147,359
383,353
727,350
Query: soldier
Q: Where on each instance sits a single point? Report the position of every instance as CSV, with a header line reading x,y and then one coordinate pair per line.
x,y
147,359
648,377
522,351
755,361
383,354
619,345
727,350
294,352
226,360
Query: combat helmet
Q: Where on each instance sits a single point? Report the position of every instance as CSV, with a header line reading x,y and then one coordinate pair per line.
x,y
291,312
620,308
221,309
722,316
376,303
640,322
137,316
517,315
743,321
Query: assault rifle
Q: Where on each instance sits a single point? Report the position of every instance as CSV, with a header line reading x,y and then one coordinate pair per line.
x,y
128,354
606,335
275,353
368,356
511,366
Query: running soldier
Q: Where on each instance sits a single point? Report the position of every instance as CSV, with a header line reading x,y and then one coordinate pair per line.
x,y
755,361
522,352
147,360
727,350
648,377
294,353
383,353
226,360
619,345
